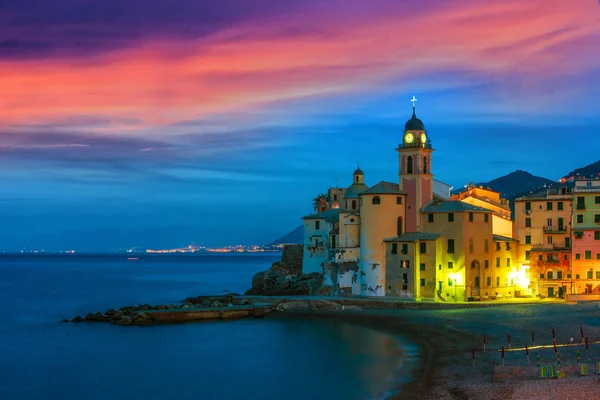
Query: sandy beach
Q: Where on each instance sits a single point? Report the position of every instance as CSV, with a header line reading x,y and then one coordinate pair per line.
x,y
448,337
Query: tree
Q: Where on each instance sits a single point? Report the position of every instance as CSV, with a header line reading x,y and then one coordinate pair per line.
x,y
319,200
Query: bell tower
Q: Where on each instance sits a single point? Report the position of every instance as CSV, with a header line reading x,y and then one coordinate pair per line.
x,y
415,173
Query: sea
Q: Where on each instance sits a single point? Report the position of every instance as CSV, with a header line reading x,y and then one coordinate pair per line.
x,y
273,358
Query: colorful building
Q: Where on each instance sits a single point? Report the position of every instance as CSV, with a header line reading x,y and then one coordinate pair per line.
x,y
543,229
408,239
586,236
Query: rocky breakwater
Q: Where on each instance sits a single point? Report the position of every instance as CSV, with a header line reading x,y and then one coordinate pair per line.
x,y
201,308
285,277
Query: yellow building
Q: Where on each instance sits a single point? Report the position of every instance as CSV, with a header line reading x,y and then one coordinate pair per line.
x,y
543,228
586,237
407,240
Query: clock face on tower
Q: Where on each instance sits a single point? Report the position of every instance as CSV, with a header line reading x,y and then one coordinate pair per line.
x,y
423,138
409,137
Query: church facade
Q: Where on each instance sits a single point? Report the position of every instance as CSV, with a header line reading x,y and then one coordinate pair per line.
x,y
411,239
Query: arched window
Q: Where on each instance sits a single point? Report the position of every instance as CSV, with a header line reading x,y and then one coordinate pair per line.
x,y
475,264
354,204
409,165
376,200
425,166
399,228
356,177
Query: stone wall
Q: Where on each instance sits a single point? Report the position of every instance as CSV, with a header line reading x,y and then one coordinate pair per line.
x,y
292,257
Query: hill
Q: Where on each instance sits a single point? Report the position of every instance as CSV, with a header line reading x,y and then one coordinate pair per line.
x,y
589,171
294,237
517,183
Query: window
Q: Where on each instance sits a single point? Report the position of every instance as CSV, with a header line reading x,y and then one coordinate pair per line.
x,y
577,276
450,246
486,264
507,246
549,240
335,197
597,274
597,218
404,248
422,267
527,222
394,248
404,264
471,246
581,203
596,235
549,206
540,258
486,218
399,200
423,248
567,242
489,281
497,262
498,248
476,281
376,200
470,217
588,184
317,225
508,262
527,206
527,255
597,200
578,235
597,256
354,204
333,241
561,223
559,275
449,282
580,218
566,257
450,265
409,165
577,256
588,254
486,246
425,165
430,217
541,276
422,281
528,239
450,217
399,226
549,222
559,206
568,276
589,274
549,274
497,281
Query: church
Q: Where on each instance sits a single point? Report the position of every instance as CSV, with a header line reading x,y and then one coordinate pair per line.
x,y
412,238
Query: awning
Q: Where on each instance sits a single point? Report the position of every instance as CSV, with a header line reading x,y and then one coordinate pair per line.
x,y
578,233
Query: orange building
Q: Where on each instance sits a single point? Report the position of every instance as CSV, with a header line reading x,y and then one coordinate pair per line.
x,y
543,228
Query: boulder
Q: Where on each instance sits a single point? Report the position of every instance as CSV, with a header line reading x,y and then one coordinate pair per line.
x,y
89,317
126,320
77,319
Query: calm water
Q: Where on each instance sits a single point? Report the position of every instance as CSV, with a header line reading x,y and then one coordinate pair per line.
x,y
245,359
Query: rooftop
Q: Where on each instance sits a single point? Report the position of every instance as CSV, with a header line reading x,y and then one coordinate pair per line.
x,y
384,188
498,238
413,237
329,215
451,206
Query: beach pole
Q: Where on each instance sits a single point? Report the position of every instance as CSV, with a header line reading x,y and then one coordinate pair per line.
x,y
527,353
509,345
503,356
587,353
558,359
553,335
578,357
581,333
473,355
555,350
537,359
532,338
484,342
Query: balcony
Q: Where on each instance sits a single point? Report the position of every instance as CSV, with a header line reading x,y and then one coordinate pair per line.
x,y
555,229
549,247
580,206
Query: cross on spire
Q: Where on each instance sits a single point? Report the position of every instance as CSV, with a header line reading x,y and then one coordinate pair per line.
x,y
413,100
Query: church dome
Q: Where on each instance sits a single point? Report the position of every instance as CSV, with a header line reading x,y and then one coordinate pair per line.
x,y
358,172
414,124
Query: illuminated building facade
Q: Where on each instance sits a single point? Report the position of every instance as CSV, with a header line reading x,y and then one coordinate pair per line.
x,y
409,239
586,236
543,228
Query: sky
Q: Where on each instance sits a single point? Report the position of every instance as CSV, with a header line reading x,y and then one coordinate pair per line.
x,y
157,124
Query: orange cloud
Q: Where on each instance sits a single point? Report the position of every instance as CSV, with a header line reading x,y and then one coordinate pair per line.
x,y
163,82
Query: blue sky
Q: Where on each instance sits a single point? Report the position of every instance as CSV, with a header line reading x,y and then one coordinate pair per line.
x,y
219,123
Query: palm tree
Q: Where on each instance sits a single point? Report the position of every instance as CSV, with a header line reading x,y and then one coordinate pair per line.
x,y
317,201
